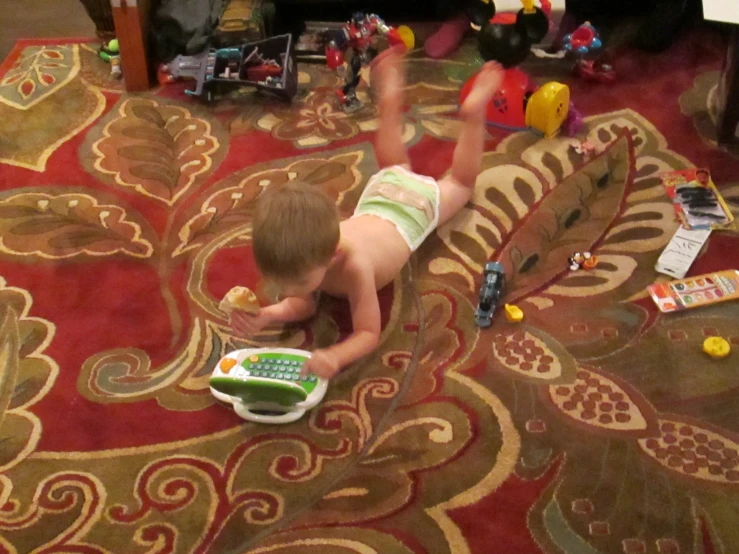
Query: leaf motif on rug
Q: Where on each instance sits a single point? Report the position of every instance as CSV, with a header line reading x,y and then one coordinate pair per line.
x,y
66,225
43,104
26,376
160,150
532,210
317,120
39,72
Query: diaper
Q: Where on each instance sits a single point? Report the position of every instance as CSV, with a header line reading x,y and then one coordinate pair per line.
x,y
405,199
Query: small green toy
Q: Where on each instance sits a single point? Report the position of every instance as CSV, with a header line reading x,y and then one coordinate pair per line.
x,y
109,50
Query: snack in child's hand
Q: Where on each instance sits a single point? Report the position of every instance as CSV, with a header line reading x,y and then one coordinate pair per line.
x,y
240,298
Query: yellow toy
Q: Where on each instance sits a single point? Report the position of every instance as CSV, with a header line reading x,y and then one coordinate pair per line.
x,y
514,314
528,6
521,105
548,108
716,347
407,36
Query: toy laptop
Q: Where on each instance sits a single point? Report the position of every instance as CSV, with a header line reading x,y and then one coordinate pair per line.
x,y
264,384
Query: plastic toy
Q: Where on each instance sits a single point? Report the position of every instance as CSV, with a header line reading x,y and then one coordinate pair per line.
x,y
582,260
479,12
508,38
695,292
109,50
535,21
586,149
357,36
585,44
716,347
507,44
491,290
514,314
520,105
267,65
111,53
406,35
264,384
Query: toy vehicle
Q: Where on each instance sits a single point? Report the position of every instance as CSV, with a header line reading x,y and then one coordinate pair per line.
x,y
491,291
264,384
267,65
520,105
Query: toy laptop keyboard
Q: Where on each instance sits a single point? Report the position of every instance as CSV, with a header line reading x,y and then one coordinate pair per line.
x,y
264,384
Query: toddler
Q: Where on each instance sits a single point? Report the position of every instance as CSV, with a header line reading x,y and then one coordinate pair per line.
x,y
301,245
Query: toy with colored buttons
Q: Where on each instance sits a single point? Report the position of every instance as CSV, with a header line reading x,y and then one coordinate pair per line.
x,y
582,260
265,385
716,347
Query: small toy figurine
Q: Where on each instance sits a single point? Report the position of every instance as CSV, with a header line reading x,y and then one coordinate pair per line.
x,y
115,67
111,53
357,37
109,50
582,260
585,44
586,149
491,290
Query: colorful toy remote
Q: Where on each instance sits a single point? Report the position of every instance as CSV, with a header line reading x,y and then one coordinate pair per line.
x,y
264,384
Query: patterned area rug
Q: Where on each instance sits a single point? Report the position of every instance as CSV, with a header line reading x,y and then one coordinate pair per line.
x,y
595,426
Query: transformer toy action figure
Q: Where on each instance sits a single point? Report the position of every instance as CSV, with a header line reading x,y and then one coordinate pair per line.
x,y
355,42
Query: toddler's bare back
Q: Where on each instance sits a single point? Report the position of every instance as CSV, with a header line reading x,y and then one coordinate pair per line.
x,y
367,241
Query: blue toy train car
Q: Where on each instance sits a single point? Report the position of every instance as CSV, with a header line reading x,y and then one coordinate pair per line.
x,y
491,291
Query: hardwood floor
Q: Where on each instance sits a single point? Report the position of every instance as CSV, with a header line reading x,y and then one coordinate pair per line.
x,y
42,19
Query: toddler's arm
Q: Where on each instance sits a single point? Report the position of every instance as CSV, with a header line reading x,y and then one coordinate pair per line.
x,y
293,308
365,308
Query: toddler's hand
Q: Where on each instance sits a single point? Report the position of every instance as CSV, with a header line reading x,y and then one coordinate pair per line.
x,y
321,364
245,325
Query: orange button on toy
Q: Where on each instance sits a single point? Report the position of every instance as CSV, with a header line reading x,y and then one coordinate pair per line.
x,y
227,364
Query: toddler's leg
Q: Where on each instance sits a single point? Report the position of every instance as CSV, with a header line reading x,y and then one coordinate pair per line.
x,y
456,189
387,69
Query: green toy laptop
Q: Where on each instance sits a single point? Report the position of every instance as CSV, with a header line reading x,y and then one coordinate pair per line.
x,y
264,384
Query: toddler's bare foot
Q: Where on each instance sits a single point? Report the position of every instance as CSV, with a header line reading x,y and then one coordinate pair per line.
x,y
487,82
387,72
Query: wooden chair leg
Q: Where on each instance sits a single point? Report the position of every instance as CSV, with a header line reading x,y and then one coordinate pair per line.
x,y
131,18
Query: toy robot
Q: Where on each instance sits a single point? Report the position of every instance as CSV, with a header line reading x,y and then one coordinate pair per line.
x,y
357,36
491,290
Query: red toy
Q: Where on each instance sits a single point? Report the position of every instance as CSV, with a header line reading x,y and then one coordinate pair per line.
x,y
585,44
357,36
507,108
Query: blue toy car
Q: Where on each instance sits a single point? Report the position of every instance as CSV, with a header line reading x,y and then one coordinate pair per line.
x,y
491,291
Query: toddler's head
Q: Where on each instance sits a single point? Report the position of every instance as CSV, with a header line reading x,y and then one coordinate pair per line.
x,y
295,235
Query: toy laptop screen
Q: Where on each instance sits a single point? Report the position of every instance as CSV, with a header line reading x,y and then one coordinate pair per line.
x,y
252,391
